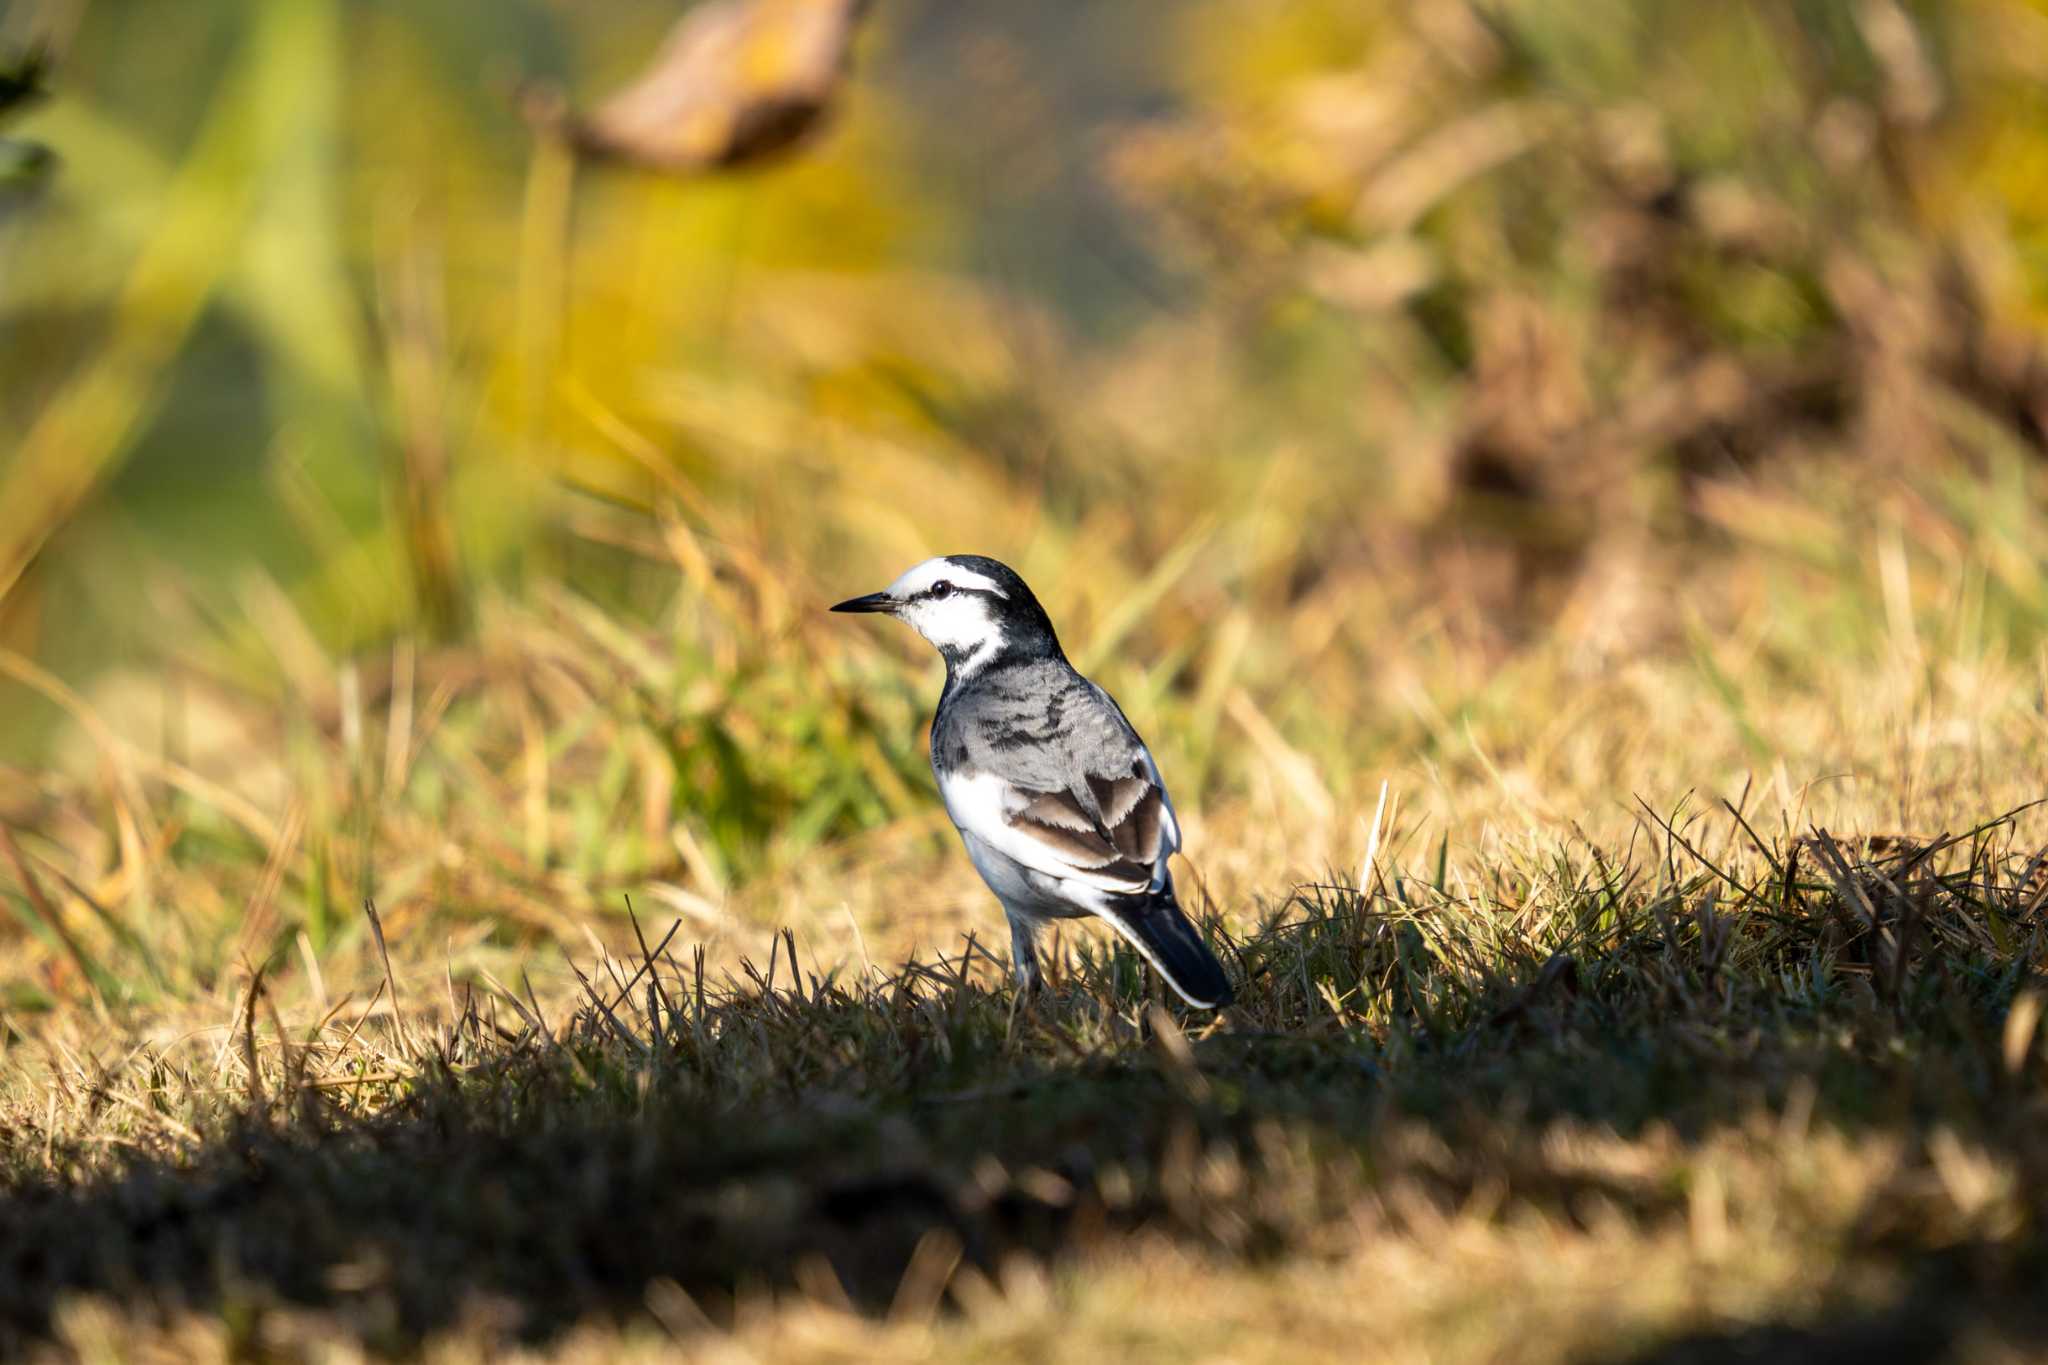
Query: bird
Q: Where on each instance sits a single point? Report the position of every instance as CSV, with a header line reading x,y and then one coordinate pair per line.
x,y
1058,801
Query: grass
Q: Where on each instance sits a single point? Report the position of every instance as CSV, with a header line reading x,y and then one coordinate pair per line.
x,y
1590,1040
1716,1093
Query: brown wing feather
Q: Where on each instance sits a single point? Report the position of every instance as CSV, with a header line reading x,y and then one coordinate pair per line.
x,y
1056,820
1124,844
1057,809
1116,795
1137,834
1130,814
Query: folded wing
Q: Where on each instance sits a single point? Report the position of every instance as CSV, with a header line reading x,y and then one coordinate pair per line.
x,y
1110,833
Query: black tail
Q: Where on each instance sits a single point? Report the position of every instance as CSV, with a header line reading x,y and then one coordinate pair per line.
x,y
1169,941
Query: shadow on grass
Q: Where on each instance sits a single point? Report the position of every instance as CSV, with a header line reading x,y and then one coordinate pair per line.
x,y
861,1141
1951,1310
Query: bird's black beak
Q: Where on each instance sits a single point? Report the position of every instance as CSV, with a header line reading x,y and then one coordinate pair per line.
x,y
874,601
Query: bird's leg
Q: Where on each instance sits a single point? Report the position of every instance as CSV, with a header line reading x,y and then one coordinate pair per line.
x,y
1024,955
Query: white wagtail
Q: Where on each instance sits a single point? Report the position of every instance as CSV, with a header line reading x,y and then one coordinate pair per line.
x,y
1057,799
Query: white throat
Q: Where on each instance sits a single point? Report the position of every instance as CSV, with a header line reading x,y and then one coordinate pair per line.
x,y
977,658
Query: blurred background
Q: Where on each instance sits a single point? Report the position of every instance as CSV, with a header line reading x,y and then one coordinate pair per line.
x,y
1540,404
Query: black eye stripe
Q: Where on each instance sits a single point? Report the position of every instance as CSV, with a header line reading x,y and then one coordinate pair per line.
x,y
946,587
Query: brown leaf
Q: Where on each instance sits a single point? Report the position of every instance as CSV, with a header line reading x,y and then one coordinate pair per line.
x,y
736,82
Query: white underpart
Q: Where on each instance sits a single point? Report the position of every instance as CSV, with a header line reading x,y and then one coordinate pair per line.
x,y
961,621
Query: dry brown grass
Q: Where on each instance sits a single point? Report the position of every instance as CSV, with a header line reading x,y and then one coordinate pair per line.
x,y
1596,1070
1721,1083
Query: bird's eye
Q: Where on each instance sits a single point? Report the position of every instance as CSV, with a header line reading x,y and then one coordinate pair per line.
x,y
939,590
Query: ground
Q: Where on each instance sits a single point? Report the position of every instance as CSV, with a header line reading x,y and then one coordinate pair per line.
x,y
1549,1059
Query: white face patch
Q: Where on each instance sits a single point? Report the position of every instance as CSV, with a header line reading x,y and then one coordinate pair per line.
x,y
954,620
